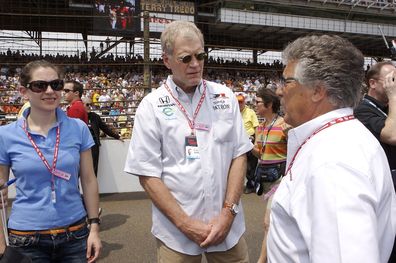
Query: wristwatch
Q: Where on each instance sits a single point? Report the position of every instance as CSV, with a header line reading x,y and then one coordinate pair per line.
x,y
95,220
232,207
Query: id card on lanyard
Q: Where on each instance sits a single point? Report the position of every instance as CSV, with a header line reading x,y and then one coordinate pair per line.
x,y
191,143
53,171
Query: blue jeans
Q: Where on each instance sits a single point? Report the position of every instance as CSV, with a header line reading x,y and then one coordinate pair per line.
x,y
69,247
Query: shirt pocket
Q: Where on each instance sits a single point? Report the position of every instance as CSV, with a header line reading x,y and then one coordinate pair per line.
x,y
223,127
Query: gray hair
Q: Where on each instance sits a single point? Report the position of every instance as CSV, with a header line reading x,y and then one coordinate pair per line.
x,y
178,28
331,61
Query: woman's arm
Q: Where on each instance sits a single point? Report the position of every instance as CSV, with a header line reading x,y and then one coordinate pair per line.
x,y
4,175
91,198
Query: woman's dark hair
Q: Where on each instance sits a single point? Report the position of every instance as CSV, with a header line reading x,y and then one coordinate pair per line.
x,y
269,96
27,70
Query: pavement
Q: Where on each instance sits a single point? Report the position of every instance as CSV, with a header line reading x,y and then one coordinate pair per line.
x,y
126,224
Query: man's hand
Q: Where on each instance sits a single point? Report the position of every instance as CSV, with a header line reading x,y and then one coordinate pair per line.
x,y
390,84
195,230
221,225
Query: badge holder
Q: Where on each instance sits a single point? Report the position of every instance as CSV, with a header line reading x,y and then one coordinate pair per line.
x,y
191,148
10,255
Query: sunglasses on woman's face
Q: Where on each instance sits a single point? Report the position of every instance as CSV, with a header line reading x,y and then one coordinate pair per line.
x,y
187,59
38,86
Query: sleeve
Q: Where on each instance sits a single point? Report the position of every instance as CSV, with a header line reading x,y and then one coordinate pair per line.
x,y
86,137
374,122
285,128
144,154
255,119
4,157
106,129
74,112
341,206
242,142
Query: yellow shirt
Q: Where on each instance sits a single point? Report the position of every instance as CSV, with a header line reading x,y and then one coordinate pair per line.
x,y
95,98
250,120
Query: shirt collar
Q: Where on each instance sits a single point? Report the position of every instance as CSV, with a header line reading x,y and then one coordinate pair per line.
x,y
177,91
377,103
302,132
60,116
76,101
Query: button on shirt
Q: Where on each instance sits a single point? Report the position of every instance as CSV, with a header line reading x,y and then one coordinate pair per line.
x,y
340,205
199,185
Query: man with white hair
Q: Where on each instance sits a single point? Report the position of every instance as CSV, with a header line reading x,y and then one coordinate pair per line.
x,y
336,202
196,197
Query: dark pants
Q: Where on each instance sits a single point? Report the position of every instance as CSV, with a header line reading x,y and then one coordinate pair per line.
x,y
95,158
68,247
251,168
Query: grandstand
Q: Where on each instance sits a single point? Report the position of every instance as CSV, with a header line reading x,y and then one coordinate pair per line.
x,y
121,56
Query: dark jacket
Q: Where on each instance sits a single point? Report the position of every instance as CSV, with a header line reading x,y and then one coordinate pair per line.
x,y
374,119
96,124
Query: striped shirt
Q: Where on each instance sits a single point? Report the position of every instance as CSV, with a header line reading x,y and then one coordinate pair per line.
x,y
275,144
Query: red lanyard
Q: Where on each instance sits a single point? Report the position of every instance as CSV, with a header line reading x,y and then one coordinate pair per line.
x,y
191,123
327,125
40,154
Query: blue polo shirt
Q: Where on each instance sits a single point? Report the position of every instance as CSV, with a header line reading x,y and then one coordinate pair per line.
x,y
33,208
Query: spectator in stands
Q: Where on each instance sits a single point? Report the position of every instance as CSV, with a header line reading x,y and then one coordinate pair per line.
x,y
73,92
95,125
336,202
270,147
104,98
250,123
377,111
196,199
95,98
47,151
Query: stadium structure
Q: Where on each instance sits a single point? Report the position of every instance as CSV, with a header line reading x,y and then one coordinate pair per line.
x,y
230,27
259,26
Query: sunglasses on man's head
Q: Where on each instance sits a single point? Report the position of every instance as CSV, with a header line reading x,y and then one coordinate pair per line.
x,y
38,86
187,58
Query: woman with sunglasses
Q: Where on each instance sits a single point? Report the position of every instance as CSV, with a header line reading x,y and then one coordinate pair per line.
x,y
270,148
47,151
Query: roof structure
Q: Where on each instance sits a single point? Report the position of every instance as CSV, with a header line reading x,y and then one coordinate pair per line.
x,y
249,25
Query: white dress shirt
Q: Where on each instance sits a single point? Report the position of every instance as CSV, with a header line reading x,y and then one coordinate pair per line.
x,y
340,205
199,186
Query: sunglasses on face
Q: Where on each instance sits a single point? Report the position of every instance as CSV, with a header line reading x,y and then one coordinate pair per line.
x,y
67,90
187,58
38,86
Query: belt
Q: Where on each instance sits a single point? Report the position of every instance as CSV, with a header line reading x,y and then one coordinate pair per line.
x,y
53,231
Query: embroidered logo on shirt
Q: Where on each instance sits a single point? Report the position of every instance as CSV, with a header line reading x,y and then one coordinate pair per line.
x,y
164,99
218,96
221,105
169,113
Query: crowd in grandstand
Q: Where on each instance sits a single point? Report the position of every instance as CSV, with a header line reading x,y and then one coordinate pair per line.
x,y
21,57
116,93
